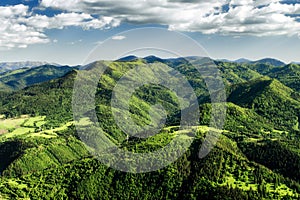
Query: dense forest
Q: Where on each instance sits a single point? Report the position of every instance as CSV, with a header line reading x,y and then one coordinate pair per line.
x,y
256,157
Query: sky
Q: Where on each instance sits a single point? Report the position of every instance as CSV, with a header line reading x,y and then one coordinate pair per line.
x,y
67,31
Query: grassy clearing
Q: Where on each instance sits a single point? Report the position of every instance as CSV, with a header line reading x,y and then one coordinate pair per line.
x,y
29,126
53,131
19,131
8,124
35,121
42,134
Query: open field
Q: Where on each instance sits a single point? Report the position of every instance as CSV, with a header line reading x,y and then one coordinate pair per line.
x,y
29,126
12,123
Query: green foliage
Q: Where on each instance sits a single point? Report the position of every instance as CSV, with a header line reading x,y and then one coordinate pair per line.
x,y
22,78
51,99
270,99
288,75
276,155
256,157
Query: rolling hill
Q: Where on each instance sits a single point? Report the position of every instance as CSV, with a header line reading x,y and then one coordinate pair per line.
x,y
24,77
270,61
10,66
269,98
288,75
256,157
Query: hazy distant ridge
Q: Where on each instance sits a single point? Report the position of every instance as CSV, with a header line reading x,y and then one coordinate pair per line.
x,y
9,66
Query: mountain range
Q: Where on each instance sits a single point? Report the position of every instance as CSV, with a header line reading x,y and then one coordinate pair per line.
x,y
23,77
257,155
270,61
9,66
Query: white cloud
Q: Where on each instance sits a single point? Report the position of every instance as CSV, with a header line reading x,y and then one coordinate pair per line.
x,y
20,27
8,11
249,17
15,34
118,37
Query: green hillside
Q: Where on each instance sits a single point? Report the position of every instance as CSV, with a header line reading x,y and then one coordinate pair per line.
x,y
256,157
4,87
269,98
234,73
51,99
288,75
24,77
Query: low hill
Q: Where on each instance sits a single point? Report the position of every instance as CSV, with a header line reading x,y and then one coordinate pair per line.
x,y
270,61
288,75
242,60
128,58
10,66
234,73
269,98
22,78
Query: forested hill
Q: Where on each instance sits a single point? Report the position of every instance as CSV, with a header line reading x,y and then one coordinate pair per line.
x,y
256,157
24,77
11,66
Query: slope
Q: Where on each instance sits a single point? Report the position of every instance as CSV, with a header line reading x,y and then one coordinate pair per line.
x,y
270,61
269,98
237,168
224,173
11,66
22,78
288,75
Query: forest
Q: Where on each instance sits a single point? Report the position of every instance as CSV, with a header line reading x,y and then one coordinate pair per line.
x,y
256,157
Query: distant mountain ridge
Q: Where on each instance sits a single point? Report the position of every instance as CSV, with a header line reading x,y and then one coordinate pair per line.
x,y
257,155
270,61
152,58
24,77
128,58
242,60
9,66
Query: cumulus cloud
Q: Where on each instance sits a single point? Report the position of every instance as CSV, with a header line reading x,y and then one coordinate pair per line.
x,y
15,34
229,17
62,20
20,27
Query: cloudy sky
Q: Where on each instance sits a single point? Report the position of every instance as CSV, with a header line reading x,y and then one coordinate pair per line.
x,y
65,31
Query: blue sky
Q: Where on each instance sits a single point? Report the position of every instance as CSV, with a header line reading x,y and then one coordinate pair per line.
x,y
66,31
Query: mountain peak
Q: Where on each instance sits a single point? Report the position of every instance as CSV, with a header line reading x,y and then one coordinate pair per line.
x,y
242,60
128,58
152,58
270,61
246,93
